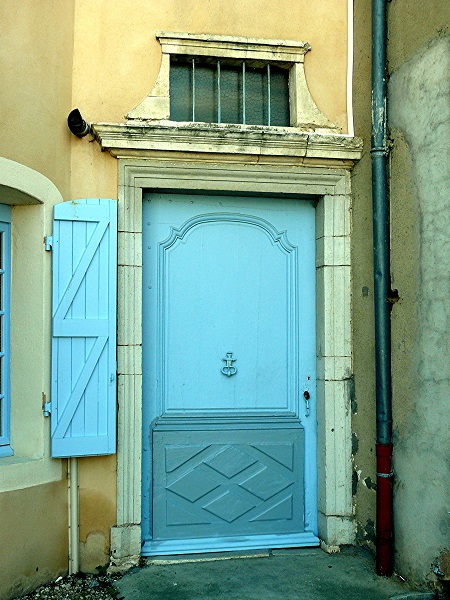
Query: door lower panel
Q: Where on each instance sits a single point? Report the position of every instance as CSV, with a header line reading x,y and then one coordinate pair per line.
x,y
228,489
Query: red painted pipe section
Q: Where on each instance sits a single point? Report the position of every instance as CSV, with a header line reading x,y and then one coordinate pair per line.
x,y
385,530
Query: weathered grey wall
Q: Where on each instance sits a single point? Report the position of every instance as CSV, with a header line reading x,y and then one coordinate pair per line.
x,y
419,117
419,111
363,405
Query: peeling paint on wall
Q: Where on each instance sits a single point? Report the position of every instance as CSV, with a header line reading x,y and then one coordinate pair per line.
x,y
371,485
419,116
366,533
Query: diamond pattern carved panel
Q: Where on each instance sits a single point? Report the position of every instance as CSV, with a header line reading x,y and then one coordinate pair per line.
x,y
230,461
228,483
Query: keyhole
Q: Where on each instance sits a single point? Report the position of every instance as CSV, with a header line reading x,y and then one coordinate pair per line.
x,y
306,395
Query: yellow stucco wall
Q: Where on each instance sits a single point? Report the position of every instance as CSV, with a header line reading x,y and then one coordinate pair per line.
x,y
97,488
33,535
36,82
36,73
121,37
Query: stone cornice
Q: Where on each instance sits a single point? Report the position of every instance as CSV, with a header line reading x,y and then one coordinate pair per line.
x,y
132,139
286,51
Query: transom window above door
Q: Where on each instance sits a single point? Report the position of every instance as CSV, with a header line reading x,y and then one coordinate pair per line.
x,y
226,80
224,91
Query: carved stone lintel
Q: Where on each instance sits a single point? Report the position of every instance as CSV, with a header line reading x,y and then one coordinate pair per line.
x,y
141,139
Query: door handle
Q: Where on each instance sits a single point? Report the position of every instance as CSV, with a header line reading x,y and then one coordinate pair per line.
x,y
307,396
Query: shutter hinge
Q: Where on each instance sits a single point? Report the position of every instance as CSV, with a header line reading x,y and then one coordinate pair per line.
x,y
47,408
48,242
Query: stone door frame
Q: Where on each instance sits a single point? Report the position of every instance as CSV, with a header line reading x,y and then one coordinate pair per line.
x,y
331,188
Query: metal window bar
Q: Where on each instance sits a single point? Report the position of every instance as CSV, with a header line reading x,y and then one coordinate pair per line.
x,y
218,93
193,90
243,93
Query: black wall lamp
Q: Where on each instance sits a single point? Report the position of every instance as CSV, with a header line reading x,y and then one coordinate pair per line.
x,y
77,124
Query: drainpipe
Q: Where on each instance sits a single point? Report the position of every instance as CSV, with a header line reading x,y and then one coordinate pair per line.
x,y
379,152
74,553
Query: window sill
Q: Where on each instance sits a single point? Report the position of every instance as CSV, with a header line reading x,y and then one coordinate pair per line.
x,y
19,472
6,451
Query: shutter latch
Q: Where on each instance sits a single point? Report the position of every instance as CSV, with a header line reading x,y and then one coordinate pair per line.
x,y
47,408
48,242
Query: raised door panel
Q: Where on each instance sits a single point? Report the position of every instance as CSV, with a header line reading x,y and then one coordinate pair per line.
x,y
227,283
228,483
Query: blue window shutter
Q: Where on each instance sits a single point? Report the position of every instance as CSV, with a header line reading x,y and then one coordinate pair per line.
x,y
83,393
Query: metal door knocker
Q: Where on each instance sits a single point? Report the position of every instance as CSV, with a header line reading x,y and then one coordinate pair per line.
x,y
229,369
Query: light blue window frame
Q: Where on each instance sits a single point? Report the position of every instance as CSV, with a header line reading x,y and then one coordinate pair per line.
x,y
5,283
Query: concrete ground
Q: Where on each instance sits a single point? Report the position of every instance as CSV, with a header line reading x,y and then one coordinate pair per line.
x,y
303,574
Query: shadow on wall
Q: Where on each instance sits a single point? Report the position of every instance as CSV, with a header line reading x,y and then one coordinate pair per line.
x,y
419,112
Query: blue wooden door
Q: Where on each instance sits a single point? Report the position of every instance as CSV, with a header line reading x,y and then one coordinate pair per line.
x,y
229,457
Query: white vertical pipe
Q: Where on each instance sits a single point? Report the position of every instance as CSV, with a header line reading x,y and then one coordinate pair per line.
x,y
74,550
350,37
